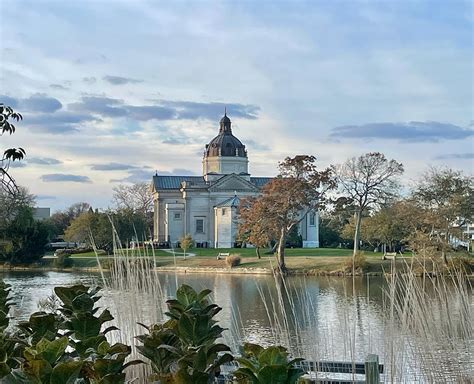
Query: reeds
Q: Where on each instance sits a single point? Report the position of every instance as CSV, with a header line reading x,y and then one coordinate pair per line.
x,y
421,328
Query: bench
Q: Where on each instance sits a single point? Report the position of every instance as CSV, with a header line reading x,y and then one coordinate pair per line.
x,y
221,255
390,256
370,368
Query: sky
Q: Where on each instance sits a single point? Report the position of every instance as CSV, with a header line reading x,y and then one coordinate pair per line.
x,y
113,91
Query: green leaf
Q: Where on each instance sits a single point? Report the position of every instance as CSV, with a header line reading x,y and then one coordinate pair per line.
x,y
246,373
186,295
85,325
105,316
66,373
273,355
68,294
54,349
273,374
252,349
83,303
203,294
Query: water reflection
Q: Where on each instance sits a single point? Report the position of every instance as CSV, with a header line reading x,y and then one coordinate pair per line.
x,y
319,318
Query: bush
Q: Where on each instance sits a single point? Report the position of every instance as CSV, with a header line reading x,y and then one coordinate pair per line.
x,y
233,260
63,260
461,263
360,264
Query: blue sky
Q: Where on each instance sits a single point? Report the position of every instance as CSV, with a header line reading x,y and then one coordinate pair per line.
x,y
113,90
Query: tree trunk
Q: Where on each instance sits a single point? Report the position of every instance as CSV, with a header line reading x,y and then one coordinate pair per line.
x,y
257,251
281,251
445,245
358,219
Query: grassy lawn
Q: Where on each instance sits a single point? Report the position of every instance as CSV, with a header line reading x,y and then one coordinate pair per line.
x,y
250,252
307,259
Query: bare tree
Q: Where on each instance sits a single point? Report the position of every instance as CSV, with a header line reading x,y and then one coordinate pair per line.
x,y
367,181
136,198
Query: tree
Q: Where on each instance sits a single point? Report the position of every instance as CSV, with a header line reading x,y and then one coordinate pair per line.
x,y
22,239
329,232
7,183
254,228
447,197
298,190
135,198
91,228
387,226
60,220
367,181
186,242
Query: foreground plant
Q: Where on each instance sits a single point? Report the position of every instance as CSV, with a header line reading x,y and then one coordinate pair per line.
x,y
184,348
10,350
68,346
259,365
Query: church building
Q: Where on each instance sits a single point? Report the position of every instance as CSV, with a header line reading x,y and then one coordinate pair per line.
x,y
207,206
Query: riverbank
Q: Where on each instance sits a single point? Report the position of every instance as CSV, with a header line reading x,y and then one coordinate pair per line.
x,y
321,264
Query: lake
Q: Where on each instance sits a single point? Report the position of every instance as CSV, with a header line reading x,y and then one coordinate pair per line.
x,y
318,318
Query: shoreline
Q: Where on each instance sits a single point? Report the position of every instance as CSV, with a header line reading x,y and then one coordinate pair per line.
x,y
213,270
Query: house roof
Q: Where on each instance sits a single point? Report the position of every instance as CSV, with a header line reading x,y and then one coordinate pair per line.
x,y
230,202
174,182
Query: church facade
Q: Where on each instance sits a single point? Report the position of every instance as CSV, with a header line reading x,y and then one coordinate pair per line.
x,y
206,207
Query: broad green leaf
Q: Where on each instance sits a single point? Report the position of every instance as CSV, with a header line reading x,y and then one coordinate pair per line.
x,y
54,349
66,373
83,303
273,374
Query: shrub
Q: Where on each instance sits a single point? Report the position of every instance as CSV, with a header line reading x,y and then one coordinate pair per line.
x,y
461,263
359,262
233,260
67,346
63,260
184,348
260,365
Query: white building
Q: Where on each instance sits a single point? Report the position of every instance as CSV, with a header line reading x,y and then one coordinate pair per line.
x,y
207,206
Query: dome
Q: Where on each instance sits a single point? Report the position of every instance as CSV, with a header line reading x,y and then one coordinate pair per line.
x,y
225,143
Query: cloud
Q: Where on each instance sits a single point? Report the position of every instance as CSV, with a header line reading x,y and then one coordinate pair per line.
x,y
62,177
212,110
43,161
40,102
177,140
58,86
45,197
151,112
145,175
459,156
59,122
89,80
181,171
118,80
9,101
254,145
18,164
414,131
136,176
104,106
115,167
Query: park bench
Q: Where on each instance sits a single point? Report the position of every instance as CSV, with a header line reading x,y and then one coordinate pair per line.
x,y
390,255
370,368
222,255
